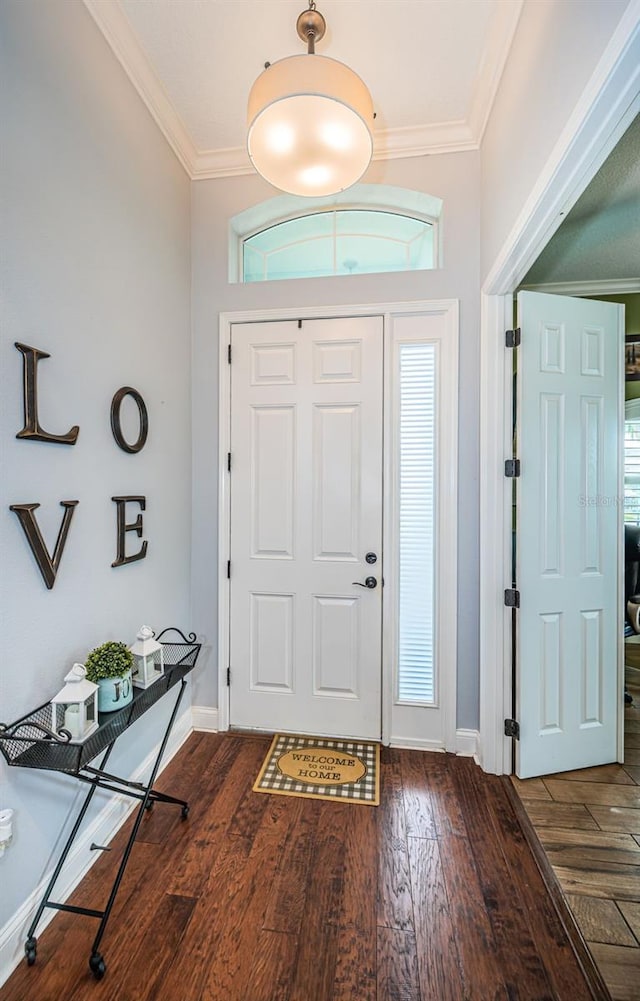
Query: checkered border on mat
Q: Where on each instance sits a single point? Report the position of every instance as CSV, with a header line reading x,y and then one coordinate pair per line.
x,y
366,790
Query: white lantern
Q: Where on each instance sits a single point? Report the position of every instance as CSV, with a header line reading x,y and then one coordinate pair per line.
x,y
148,658
75,708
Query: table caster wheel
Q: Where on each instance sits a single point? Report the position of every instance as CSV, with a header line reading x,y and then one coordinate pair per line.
x,y
97,966
184,812
149,805
30,950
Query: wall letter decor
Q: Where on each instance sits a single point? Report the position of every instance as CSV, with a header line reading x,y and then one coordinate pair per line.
x,y
115,420
48,565
123,528
32,428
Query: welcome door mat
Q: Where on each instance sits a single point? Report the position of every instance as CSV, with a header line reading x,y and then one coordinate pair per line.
x,y
317,768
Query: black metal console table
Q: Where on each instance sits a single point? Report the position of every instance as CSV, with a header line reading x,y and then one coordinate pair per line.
x,y
29,743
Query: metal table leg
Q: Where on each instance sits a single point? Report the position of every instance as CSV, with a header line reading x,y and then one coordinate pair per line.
x,y
98,778
30,947
96,960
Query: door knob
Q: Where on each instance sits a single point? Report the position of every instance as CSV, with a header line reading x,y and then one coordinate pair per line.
x,y
370,582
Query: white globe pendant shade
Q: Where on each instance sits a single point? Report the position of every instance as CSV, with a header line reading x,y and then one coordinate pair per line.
x,y
309,125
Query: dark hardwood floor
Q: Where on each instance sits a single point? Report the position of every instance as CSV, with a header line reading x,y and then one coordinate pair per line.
x,y
588,824
433,896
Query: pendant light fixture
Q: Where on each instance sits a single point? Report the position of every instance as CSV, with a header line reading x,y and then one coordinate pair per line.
x,y
310,119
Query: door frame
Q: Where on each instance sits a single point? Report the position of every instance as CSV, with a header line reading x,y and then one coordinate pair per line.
x,y
607,107
446,574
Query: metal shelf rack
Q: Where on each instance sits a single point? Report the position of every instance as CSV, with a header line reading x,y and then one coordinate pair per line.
x,y
29,743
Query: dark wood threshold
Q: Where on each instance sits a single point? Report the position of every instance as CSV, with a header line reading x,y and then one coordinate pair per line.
x,y
592,975
247,731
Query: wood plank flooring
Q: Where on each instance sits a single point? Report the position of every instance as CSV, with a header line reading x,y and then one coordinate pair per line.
x,y
433,896
588,823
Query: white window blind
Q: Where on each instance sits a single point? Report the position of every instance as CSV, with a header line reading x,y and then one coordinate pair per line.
x,y
417,463
632,472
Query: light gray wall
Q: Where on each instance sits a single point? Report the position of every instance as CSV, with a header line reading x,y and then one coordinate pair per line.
x,y
555,51
95,270
454,178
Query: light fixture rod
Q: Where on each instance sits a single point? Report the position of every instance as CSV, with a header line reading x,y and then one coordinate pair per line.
x,y
311,27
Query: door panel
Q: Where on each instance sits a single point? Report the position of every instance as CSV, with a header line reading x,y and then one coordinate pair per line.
x,y
271,619
336,633
569,527
336,499
272,451
306,506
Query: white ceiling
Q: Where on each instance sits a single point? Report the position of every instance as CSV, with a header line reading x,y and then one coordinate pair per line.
x,y
432,66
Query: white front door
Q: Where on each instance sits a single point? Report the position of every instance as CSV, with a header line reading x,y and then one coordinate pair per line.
x,y
569,528
306,510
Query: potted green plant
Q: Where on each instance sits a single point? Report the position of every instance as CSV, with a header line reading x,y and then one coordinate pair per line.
x,y
109,666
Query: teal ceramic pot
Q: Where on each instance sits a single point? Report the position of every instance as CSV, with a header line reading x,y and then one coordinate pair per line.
x,y
114,693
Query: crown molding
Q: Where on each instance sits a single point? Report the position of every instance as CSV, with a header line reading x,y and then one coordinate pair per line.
x,y
422,140
230,162
115,27
501,31
389,144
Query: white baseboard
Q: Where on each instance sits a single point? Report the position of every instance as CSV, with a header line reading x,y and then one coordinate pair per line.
x,y
101,830
468,743
415,744
204,719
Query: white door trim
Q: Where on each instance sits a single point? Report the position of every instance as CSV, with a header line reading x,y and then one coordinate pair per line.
x,y
625,286
607,107
496,386
447,577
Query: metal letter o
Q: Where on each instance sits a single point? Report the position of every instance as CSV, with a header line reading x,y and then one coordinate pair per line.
x,y
115,420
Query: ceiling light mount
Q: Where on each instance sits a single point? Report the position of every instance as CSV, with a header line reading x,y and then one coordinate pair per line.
x,y
310,119
311,27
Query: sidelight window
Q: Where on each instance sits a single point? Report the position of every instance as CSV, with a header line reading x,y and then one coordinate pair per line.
x,y
416,573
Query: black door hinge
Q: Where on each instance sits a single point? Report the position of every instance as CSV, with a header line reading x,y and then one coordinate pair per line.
x,y
228,569
512,598
229,461
513,337
229,353
512,467
512,728
228,676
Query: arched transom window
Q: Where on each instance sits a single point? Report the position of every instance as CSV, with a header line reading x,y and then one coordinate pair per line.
x,y
338,242
368,229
